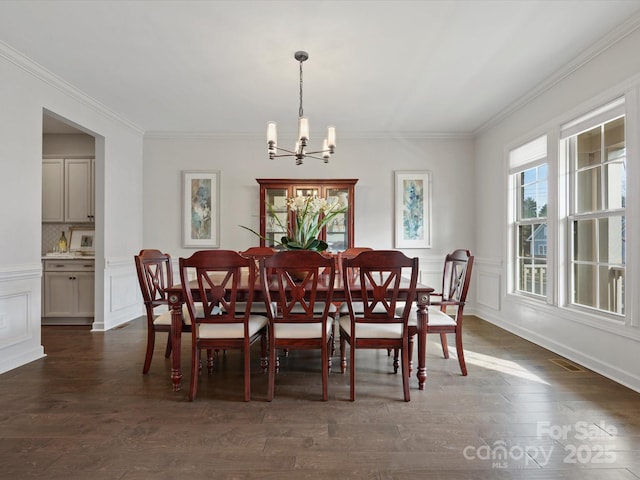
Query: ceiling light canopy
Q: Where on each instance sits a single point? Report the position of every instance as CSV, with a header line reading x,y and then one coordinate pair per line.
x,y
328,145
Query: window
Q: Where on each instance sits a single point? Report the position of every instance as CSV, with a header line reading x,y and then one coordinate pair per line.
x,y
528,169
596,160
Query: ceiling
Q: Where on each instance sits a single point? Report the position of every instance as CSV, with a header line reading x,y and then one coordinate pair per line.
x,y
227,67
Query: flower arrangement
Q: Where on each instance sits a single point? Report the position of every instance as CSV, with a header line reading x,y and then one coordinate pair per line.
x,y
312,213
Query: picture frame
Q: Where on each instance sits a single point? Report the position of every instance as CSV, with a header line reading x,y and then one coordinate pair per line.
x,y
412,209
201,209
82,240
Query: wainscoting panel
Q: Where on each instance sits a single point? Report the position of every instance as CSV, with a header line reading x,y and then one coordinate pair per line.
x,y
15,326
123,297
125,291
20,296
430,271
488,291
488,281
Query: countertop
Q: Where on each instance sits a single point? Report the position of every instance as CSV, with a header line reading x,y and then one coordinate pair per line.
x,y
67,256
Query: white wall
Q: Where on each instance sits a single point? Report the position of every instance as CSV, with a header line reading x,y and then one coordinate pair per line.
x,y
608,348
371,160
26,90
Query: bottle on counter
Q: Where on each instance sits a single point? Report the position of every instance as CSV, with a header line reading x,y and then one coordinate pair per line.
x,y
62,243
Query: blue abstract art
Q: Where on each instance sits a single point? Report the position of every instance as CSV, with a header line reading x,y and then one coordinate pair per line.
x,y
412,209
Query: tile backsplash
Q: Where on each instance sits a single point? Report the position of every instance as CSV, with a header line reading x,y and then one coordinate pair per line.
x,y
51,234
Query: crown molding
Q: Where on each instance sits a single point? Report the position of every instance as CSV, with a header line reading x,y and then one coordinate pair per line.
x,y
348,135
26,64
613,37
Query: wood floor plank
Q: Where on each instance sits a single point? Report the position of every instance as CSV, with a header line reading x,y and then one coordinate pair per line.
x,y
85,411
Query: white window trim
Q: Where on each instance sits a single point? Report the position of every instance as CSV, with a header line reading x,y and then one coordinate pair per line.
x,y
606,112
524,156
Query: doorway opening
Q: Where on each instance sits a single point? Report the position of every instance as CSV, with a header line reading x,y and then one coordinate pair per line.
x,y
70,233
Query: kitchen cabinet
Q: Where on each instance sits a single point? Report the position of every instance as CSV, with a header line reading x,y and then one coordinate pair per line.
x,y
68,288
68,190
53,190
273,198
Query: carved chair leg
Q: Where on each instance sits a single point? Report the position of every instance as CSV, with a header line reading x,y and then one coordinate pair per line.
x,y
272,373
325,371
410,353
167,351
196,366
396,364
209,360
264,361
405,374
343,357
460,352
445,346
352,369
332,345
149,353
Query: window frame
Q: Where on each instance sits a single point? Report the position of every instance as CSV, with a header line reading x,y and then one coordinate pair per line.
x,y
527,156
568,140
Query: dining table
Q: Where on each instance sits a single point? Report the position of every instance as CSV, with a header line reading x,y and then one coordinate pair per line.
x,y
176,299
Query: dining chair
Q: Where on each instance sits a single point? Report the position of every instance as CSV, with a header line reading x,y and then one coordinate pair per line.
x,y
372,280
350,253
256,254
211,299
155,274
445,312
296,282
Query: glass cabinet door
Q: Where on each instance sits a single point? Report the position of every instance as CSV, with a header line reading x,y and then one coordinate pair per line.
x,y
277,215
336,231
306,192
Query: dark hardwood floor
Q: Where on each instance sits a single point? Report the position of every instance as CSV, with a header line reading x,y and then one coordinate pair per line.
x,y
86,412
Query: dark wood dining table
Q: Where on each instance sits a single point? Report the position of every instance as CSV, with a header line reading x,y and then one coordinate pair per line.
x,y
176,299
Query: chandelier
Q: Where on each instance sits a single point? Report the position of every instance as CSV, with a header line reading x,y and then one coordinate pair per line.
x,y
328,146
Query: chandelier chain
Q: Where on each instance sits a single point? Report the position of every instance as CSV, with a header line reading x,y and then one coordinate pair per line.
x,y
300,110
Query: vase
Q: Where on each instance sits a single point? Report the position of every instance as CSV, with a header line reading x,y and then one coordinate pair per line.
x,y
298,275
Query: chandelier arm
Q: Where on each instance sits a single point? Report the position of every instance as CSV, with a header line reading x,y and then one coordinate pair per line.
x,y
306,155
317,151
290,152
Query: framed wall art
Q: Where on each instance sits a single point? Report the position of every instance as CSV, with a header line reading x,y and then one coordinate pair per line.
x,y
201,209
82,240
413,209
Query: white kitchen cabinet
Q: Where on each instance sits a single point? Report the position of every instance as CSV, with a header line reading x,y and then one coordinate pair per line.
x,y
78,205
53,190
68,288
67,190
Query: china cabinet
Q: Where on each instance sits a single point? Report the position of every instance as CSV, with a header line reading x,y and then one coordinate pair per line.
x,y
275,217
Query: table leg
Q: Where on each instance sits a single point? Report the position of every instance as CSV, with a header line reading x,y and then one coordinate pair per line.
x,y
176,336
423,301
